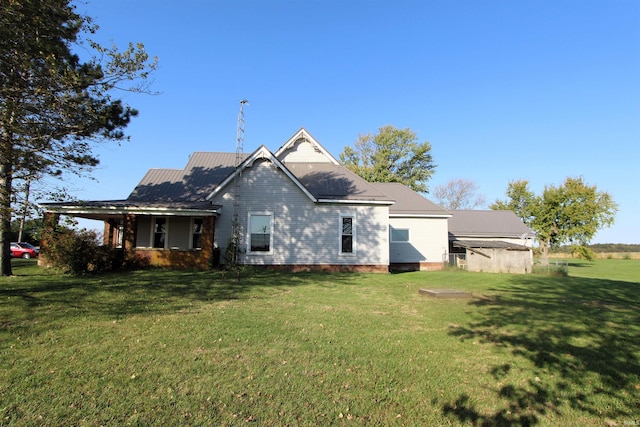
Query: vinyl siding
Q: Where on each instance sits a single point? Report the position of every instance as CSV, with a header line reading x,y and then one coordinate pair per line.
x,y
304,152
428,240
304,233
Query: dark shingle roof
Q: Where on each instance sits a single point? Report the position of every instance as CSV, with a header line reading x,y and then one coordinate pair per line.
x,y
408,202
487,223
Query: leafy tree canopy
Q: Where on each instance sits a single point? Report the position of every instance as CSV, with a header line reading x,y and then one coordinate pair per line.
x,y
53,106
571,213
391,155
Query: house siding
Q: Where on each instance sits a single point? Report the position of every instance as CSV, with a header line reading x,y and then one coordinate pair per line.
x,y
303,151
304,233
427,246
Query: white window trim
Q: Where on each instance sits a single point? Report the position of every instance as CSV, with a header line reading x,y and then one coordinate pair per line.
x,y
354,238
193,221
248,242
153,229
391,229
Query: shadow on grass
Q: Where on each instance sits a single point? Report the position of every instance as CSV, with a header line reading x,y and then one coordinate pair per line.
x,y
581,335
32,303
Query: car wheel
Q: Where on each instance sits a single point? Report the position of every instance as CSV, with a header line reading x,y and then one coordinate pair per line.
x,y
26,255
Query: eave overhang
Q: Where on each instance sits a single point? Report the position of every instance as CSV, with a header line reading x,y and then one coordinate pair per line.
x,y
107,211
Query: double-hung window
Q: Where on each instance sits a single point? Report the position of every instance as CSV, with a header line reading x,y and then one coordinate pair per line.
x,y
196,235
260,232
159,232
347,234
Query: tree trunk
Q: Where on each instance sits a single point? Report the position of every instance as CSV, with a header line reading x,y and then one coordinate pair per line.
x,y
5,219
25,208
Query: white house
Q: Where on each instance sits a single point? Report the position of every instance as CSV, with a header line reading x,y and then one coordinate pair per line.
x,y
296,208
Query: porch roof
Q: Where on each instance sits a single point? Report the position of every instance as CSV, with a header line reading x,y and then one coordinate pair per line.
x,y
489,244
109,209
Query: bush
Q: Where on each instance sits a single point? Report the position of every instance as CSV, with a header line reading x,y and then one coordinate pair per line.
x,y
80,252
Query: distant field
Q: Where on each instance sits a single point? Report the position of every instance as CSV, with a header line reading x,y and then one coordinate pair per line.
x,y
604,255
163,348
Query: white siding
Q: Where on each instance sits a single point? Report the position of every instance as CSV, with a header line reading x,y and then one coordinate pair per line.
x,y
303,151
304,233
428,240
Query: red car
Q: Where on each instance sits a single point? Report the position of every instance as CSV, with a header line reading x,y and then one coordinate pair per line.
x,y
23,250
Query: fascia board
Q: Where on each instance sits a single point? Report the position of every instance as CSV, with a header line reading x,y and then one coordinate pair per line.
x,y
356,202
136,210
397,215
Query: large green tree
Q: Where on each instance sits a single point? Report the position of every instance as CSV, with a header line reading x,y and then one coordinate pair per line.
x,y
54,107
571,213
391,155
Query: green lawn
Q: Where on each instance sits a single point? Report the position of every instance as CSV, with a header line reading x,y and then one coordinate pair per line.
x,y
194,348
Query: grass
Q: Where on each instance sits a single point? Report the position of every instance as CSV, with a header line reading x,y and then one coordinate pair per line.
x,y
193,348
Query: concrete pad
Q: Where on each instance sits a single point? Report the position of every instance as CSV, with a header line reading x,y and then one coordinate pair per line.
x,y
445,293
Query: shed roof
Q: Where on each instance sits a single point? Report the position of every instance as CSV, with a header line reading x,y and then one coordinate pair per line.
x,y
488,244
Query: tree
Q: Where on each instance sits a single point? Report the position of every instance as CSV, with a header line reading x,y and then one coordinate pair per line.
x,y
520,200
53,106
457,194
392,155
568,214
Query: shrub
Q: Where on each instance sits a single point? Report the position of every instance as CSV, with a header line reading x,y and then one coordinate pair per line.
x,y
80,252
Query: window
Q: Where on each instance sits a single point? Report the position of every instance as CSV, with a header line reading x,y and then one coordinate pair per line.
x,y
260,232
347,234
196,238
159,232
399,235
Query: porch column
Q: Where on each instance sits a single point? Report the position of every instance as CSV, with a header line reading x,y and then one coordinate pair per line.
x,y
208,228
110,227
129,234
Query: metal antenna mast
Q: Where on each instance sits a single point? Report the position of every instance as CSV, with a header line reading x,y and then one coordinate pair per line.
x,y
236,229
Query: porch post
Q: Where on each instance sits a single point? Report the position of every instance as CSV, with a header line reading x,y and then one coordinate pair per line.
x,y
129,234
208,229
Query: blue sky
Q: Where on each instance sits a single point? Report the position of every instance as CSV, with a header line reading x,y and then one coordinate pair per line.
x,y
503,90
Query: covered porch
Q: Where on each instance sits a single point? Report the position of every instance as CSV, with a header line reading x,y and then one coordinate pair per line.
x,y
172,237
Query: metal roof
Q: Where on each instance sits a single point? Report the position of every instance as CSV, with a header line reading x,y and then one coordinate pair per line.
x,y
488,244
327,181
409,202
488,223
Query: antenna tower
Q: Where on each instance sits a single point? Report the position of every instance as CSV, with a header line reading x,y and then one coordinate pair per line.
x,y
236,229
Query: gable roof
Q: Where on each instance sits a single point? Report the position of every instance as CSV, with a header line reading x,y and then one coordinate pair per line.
x,y
261,153
302,134
488,223
409,202
178,191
